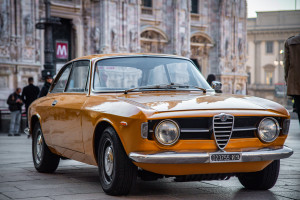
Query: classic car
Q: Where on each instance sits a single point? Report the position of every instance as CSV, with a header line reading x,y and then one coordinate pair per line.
x,y
154,116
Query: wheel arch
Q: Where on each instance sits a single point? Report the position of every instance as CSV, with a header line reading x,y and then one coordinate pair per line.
x,y
101,126
34,119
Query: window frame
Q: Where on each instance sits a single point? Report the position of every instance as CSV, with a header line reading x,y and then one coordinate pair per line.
x,y
61,72
86,89
95,61
191,12
270,42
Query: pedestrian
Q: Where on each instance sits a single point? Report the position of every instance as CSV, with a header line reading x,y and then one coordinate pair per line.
x,y
45,88
30,93
210,79
292,69
15,106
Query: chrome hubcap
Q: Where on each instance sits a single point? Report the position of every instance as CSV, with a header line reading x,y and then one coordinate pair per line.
x,y
108,160
39,148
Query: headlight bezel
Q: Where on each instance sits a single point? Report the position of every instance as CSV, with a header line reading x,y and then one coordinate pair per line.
x,y
156,132
277,130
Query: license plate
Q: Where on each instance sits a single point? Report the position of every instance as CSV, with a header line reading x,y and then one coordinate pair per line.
x,y
225,157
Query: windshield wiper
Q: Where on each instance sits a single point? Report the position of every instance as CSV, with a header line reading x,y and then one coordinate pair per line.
x,y
150,87
187,86
171,86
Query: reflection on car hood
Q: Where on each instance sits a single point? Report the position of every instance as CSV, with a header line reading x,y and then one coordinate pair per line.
x,y
173,101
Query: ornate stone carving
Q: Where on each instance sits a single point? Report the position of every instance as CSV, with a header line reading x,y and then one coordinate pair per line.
x,y
152,35
4,52
3,23
133,40
96,39
114,40
37,50
152,42
28,53
28,25
199,39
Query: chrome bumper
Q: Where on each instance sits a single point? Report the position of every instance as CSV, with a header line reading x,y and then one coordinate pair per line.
x,y
171,157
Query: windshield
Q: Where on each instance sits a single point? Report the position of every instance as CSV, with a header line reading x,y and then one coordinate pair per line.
x,y
119,74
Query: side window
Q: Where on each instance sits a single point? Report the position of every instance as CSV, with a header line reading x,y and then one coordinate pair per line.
x,y
61,82
79,77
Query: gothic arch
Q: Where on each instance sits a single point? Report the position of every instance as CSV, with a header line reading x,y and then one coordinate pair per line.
x,y
153,40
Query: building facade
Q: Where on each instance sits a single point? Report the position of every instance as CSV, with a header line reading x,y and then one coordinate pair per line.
x,y
266,36
210,32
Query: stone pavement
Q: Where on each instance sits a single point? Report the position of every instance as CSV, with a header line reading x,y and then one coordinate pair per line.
x,y
74,180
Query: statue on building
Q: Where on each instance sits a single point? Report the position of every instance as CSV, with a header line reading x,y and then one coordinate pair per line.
x,y
96,39
114,40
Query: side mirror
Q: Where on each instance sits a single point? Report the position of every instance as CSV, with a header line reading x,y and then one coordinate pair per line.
x,y
217,86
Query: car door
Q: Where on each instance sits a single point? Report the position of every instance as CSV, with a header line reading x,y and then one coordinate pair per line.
x,y
68,104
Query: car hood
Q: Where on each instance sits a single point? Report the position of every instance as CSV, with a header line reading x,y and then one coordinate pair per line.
x,y
176,101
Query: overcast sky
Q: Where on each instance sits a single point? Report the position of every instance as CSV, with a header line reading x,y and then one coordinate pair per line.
x,y
271,5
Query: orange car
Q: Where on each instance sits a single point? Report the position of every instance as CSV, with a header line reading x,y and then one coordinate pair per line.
x,y
153,116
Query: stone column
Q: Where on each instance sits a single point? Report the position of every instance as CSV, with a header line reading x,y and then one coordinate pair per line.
x,y
257,61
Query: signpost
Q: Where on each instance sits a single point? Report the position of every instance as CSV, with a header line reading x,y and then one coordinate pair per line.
x,y
62,50
47,23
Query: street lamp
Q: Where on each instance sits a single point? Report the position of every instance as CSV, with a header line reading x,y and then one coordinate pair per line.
x,y
47,23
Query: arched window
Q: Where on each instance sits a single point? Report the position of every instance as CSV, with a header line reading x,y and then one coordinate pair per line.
x,y
200,45
153,41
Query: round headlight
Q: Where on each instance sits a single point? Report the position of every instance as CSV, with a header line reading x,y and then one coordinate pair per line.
x,y
268,129
167,132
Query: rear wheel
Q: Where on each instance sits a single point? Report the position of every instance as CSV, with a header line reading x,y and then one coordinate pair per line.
x,y
117,173
261,180
44,160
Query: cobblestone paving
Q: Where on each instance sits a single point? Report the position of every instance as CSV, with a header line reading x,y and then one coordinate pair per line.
x,y
77,181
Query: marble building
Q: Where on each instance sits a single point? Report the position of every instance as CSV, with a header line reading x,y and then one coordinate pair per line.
x,y
210,32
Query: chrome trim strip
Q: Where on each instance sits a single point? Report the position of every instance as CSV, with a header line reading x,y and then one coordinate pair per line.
x,y
186,130
173,157
245,129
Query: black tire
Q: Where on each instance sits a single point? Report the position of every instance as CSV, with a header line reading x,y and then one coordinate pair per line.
x,y
116,172
44,160
261,180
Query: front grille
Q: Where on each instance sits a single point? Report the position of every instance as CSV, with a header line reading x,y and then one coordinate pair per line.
x,y
222,128
201,128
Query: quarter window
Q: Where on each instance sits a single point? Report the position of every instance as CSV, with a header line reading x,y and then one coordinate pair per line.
x,y
79,77
61,82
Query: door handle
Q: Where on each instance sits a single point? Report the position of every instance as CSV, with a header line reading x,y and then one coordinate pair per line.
x,y
54,103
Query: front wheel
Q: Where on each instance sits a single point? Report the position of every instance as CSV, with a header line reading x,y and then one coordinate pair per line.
x,y
117,173
44,160
261,180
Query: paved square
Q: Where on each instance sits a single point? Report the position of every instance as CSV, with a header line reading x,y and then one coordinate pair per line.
x,y
74,180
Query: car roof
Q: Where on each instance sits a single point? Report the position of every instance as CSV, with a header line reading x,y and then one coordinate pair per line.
x,y
99,56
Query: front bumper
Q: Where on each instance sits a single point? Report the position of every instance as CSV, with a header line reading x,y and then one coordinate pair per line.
x,y
172,157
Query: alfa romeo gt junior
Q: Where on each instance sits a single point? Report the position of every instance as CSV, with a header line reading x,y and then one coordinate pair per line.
x,y
154,116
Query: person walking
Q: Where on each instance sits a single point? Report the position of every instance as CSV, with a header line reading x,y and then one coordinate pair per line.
x,y
292,69
46,86
30,93
15,106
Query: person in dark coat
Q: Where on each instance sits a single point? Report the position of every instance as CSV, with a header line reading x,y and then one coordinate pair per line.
x,y
15,103
30,93
45,88
292,69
